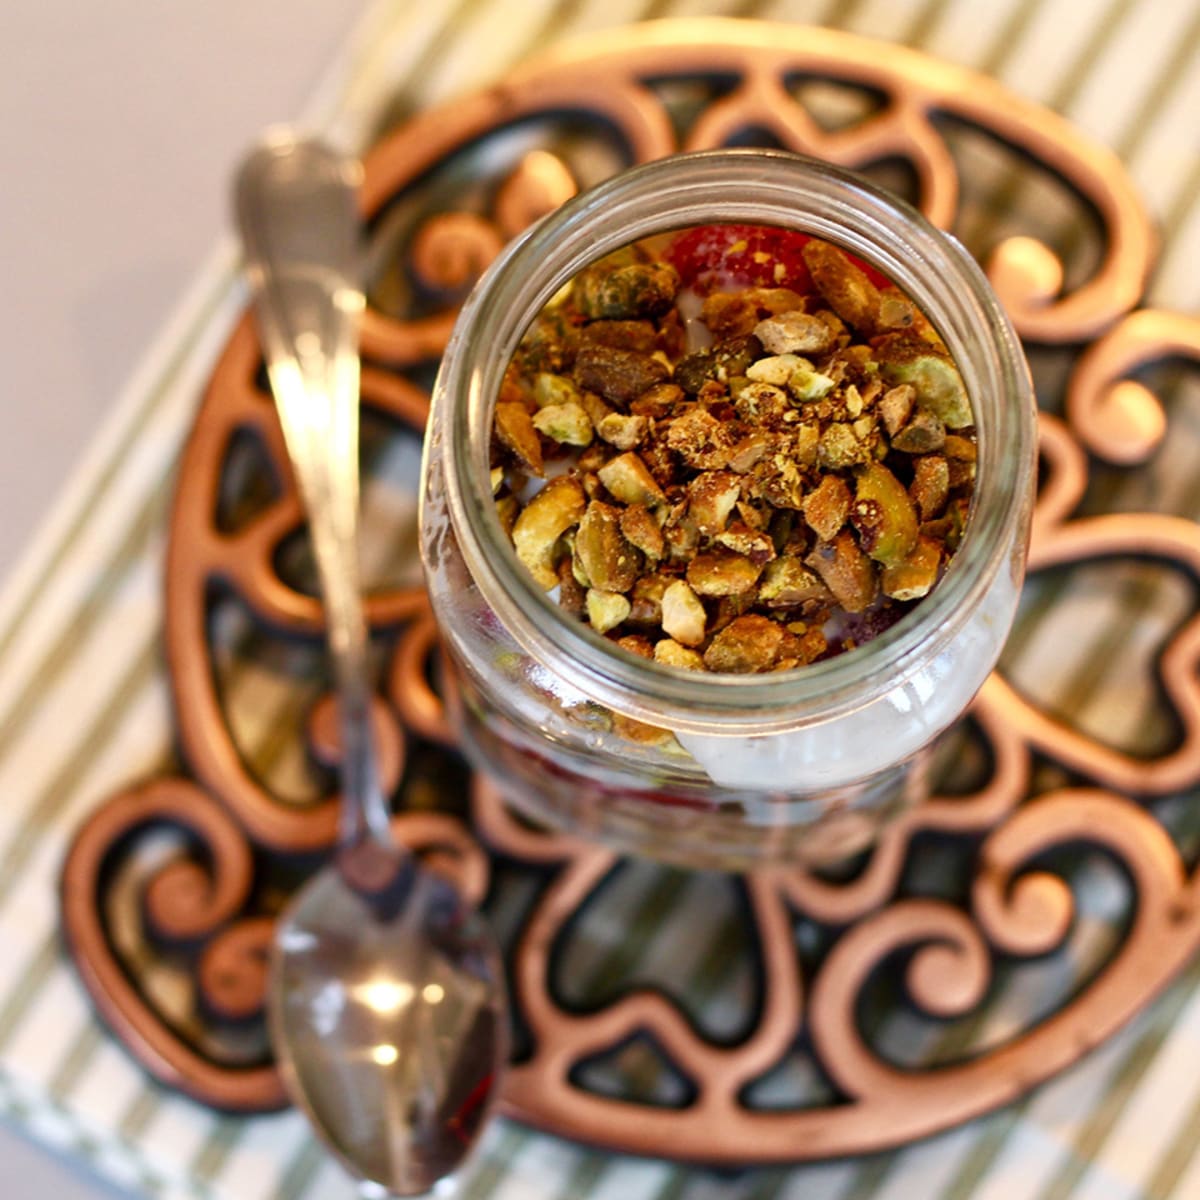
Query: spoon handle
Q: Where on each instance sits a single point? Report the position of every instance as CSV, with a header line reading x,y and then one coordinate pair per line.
x,y
296,203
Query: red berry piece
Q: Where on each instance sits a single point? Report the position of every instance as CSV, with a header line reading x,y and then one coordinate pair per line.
x,y
721,257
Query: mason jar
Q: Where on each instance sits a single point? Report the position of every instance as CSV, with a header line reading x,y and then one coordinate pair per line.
x,y
706,769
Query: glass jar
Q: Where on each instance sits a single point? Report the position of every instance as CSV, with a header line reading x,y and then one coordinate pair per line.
x,y
717,770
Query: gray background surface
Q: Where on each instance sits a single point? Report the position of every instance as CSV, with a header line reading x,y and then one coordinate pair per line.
x,y
119,124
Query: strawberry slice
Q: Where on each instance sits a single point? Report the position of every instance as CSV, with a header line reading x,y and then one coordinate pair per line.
x,y
719,257
716,257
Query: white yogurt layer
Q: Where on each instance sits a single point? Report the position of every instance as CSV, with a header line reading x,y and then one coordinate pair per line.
x,y
849,748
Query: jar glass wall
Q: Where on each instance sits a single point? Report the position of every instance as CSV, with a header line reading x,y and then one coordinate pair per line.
x,y
717,769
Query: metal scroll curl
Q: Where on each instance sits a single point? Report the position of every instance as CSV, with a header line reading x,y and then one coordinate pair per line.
x,y
442,196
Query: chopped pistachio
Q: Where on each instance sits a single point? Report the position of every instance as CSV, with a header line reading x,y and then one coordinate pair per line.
x,y
607,559
827,506
627,478
807,383
633,290
748,451
514,428
762,404
915,575
694,371
961,448
806,444
683,540
729,314
794,333
747,644
596,410
884,515
618,375
839,448
754,544
570,591
683,616
895,407
904,358
700,439
923,434
567,424
711,497
845,286
606,610
672,654
733,356
558,506
643,531
637,643
777,369
845,570
787,582
646,598
625,335
656,402
930,486
722,573
622,431
550,389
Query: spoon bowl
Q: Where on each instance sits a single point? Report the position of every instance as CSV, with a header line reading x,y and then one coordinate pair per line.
x,y
394,1025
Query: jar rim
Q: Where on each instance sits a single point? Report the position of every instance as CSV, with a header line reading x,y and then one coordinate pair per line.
x,y
738,186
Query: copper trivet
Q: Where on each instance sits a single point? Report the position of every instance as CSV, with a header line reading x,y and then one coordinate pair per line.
x,y
208,908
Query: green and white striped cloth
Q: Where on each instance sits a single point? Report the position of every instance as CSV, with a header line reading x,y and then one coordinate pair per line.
x,y
83,706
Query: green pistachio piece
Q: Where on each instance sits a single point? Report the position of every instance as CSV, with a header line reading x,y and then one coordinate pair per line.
x,y
683,616
623,431
722,573
777,369
883,515
787,582
551,389
605,610
670,653
923,434
806,383
630,481
609,561
634,290
746,645
914,576
558,506
933,375
567,424
845,570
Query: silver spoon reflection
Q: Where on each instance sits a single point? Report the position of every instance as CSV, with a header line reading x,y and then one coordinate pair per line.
x,y
386,1003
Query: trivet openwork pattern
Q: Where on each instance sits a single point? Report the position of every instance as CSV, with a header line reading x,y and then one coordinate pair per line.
x,y
170,887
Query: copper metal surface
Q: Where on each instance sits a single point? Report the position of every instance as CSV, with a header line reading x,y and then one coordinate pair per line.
x,y
209,904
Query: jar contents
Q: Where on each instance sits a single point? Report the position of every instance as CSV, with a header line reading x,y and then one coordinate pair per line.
x,y
735,449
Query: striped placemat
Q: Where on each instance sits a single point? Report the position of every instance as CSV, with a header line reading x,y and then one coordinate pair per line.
x,y
83,706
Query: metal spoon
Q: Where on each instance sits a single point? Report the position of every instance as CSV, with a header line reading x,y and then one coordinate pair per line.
x,y
386,1003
